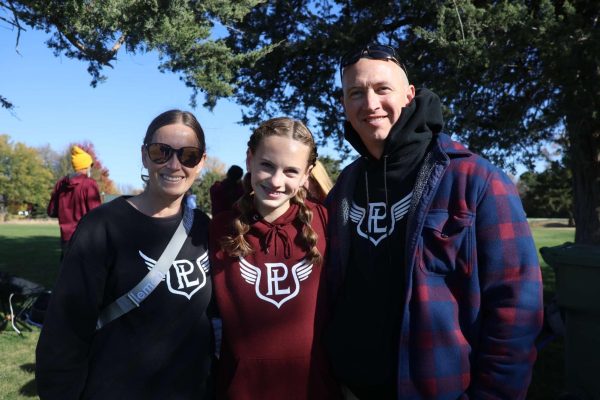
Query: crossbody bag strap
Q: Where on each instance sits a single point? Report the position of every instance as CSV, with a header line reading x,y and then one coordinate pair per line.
x,y
142,290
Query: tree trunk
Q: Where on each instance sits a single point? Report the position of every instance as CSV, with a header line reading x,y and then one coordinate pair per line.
x,y
585,164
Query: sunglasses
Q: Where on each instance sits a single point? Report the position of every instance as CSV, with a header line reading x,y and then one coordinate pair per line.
x,y
372,51
160,153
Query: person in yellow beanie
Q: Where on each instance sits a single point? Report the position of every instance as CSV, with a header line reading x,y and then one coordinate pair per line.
x,y
80,159
74,195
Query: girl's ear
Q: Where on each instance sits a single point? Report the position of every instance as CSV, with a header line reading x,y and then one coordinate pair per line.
x,y
306,175
248,160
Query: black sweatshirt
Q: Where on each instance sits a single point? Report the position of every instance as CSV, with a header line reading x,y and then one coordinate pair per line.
x,y
161,350
364,331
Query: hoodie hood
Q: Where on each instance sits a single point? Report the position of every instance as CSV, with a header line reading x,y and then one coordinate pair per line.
x,y
73,180
419,122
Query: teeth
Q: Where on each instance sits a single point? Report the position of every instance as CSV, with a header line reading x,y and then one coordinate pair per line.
x,y
269,191
374,118
172,178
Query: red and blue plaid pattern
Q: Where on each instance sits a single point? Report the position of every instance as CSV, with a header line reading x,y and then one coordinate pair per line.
x,y
473,304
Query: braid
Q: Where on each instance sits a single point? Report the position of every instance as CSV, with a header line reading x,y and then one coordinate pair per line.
x,y
236,245
309,236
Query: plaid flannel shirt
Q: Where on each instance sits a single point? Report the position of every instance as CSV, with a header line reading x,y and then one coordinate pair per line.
x,y
473,305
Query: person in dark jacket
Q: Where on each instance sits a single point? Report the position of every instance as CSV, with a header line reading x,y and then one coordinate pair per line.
x,y
223,194
162,348
432,266
74,195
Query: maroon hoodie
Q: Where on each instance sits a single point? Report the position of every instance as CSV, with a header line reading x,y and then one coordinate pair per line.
x,y
272,303
73,196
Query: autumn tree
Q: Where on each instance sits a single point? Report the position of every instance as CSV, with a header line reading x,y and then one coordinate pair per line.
x,y
513,76
24,180
99,172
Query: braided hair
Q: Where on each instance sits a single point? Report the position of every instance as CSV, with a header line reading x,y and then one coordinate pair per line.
x,y
235,244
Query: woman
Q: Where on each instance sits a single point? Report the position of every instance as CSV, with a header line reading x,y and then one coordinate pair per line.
x,y
161,349
268,273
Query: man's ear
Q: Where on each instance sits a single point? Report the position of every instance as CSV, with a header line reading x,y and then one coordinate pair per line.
x,y
410,93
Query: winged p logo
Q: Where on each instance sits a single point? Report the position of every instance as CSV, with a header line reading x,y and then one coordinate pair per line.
x,y
184,277
277,287
378,224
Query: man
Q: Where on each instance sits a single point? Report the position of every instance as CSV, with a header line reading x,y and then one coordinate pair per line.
x,y
223,194
74,195
434,274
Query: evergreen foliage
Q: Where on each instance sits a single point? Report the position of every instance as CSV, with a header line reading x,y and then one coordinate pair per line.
x,y
182,31
513,75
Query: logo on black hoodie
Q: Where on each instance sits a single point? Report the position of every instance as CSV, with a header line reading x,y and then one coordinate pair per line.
x,y
379,224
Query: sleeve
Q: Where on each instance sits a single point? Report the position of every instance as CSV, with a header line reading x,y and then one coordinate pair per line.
x,y
92,196
52,209
69,325
511,294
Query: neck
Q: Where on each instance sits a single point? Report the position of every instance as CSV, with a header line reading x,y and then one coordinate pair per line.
x,y
271,215
154,206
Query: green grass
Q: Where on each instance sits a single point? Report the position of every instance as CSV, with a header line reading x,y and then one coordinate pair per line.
x,y
549,369
32,251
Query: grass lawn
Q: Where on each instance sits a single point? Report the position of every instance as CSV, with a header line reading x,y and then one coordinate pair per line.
x,y
32,251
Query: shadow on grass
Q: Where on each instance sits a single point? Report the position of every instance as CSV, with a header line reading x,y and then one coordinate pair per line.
x,y
29,389
35,258
556,225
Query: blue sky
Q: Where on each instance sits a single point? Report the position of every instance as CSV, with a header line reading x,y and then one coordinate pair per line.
x,y
54,104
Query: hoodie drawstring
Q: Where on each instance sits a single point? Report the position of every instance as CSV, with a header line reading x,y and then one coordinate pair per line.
x,y
387,209
269,240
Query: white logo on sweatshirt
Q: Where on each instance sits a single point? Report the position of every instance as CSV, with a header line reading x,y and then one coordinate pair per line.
x,y
278,288
379,224
184,277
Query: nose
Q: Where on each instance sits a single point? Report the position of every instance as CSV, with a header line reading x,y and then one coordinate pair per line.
x,y
372,101
173,162
276,179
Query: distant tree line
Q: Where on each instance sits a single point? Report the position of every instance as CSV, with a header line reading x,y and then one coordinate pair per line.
x,y
548,194
28,175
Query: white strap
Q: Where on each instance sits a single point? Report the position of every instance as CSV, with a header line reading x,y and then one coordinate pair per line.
x,y
140,292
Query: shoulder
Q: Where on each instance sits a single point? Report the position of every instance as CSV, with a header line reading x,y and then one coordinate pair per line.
x,y
466,161
200,217
222,221
215,186
116,208
474,172
319,214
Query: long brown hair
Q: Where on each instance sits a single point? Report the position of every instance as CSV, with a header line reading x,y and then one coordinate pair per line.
x,y
236,245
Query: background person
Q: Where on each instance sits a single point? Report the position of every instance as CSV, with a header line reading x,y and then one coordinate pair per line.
x,y
268,274
435,274
223,194
318,183
74,195
161,349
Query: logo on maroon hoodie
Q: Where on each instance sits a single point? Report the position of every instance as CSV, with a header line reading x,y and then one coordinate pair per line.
x,y
279,286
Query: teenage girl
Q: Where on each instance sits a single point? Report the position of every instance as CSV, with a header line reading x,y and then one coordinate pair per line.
x,y
267,263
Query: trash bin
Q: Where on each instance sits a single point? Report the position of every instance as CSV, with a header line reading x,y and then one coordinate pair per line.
x,y
577,269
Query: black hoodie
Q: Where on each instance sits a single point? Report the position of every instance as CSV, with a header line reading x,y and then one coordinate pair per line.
x,y
364,331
